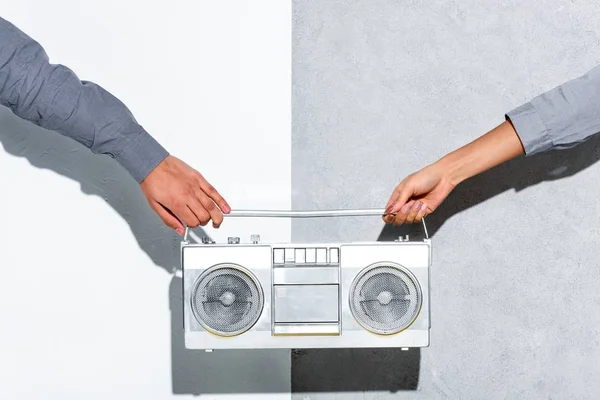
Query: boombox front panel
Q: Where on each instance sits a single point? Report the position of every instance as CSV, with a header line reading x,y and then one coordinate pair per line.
x,y
305,291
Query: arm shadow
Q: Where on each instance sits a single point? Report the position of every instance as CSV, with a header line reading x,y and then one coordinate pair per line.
x,y
193,372
97,175
517,174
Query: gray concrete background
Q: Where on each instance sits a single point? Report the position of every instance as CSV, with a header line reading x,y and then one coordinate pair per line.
x,y
380,89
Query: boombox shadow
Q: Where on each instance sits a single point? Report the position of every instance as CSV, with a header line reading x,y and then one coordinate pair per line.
x,y
355,370
193,372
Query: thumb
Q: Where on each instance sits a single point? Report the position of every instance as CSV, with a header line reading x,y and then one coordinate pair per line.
x,y
401,195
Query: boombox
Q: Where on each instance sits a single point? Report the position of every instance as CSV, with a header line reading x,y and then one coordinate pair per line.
x,y
253,295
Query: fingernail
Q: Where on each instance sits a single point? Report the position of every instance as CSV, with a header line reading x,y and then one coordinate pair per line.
x,y
405,209
227,209
389,209
423,207
180,231
416,206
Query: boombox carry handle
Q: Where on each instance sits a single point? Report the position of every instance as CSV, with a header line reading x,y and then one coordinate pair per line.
x,y
373,212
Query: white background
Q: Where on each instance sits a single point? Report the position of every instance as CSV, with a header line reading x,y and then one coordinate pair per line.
x,y
86,266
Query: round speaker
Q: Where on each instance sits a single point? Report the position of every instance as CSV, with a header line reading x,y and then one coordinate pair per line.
x,y
227,299
385,298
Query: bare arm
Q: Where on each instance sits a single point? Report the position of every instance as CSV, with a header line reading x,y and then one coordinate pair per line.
x,y
558,119
494,148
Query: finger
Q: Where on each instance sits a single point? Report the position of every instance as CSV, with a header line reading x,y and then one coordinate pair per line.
x,y
421,213
392,200
388,217
181,209
393,205
412,214
403,213
209,205
167,217
213,194
202,216
404,194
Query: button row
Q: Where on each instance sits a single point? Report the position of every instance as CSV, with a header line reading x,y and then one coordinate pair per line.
x,y
306,256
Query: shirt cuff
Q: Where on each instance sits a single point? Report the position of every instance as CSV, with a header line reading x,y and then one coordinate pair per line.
x,y
532,131
141,156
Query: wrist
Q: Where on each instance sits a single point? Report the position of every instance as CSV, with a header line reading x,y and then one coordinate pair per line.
x,y
141,156
453,168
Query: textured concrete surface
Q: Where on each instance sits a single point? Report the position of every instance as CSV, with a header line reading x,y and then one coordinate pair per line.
x,y
380,89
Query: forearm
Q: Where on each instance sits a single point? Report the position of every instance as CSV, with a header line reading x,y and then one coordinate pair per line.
x,y
53,97
494,148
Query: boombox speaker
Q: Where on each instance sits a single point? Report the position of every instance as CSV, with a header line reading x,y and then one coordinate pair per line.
x,y
252,295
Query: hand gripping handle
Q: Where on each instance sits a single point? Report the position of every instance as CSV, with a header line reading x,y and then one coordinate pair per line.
x,y
365,212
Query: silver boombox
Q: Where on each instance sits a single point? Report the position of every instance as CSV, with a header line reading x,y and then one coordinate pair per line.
x,y
306,295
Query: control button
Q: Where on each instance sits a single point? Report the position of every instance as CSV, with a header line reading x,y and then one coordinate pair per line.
x,y
311,255
334,255
278,256
300,256
403,239
289,255
233,240
322,256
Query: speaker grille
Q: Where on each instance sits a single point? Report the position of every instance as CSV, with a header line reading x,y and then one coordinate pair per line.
x,y
227,300
385,298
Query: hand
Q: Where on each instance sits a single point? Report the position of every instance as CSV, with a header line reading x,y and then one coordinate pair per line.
x,y
421,193
418,195
176,191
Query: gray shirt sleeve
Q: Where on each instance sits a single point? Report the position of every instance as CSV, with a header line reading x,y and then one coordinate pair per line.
x,y
562,117
53,97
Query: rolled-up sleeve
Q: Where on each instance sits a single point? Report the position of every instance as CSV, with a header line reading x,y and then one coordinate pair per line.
x,y
560,118
53,97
